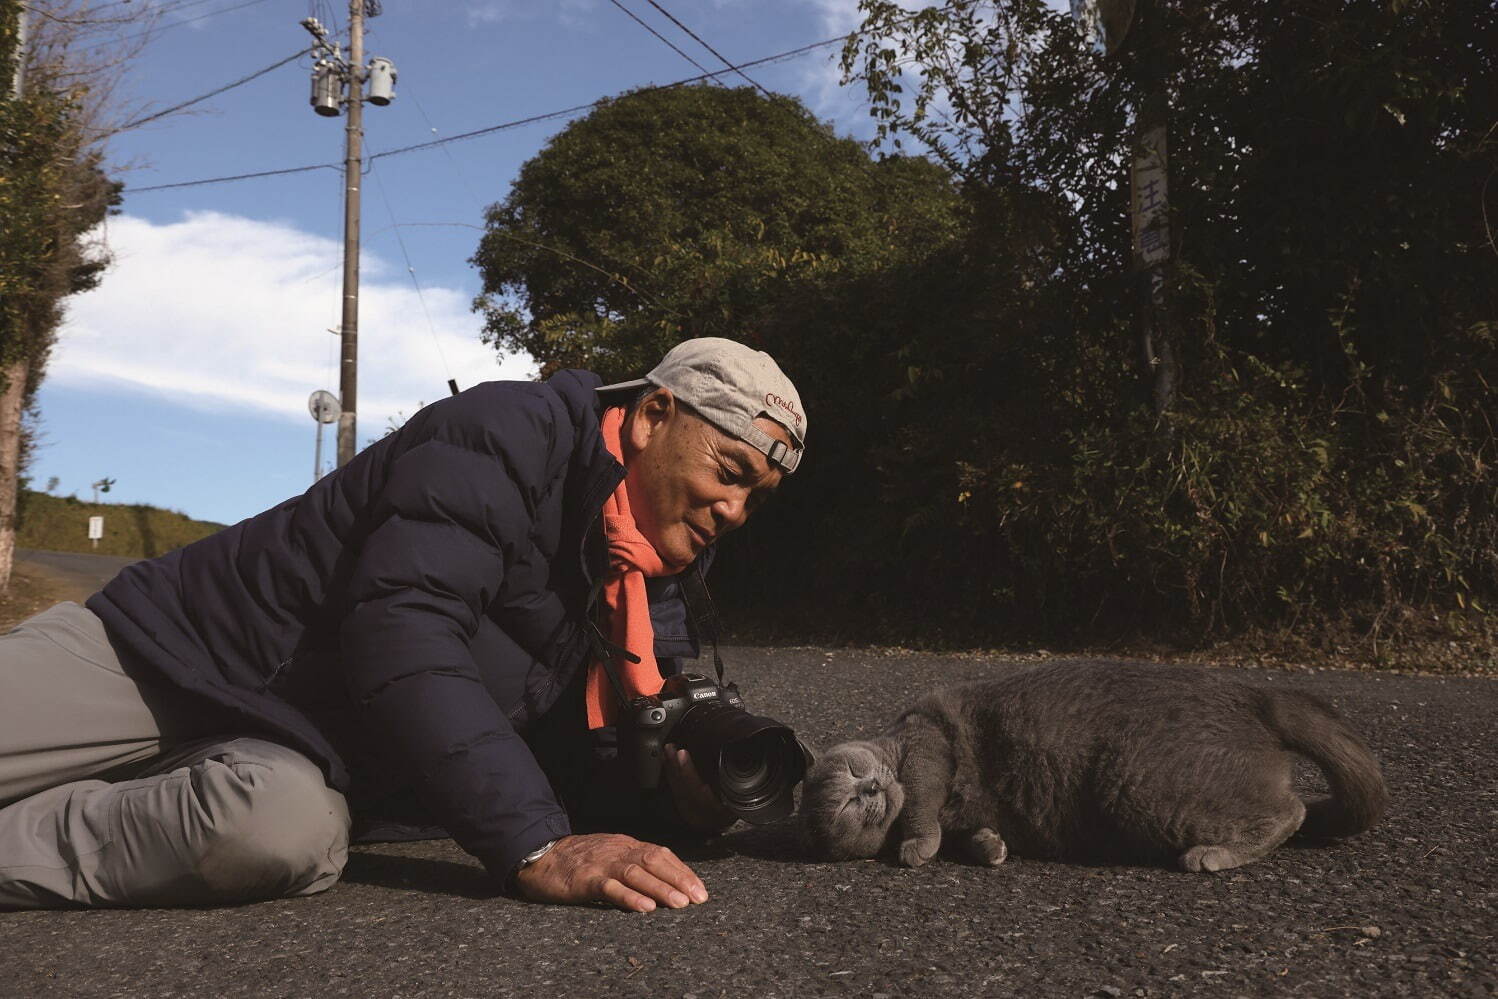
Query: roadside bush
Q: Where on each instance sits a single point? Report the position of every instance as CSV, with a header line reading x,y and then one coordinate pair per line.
x,y
133,530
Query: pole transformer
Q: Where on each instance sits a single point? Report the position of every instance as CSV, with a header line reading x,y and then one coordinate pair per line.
x,y
330,75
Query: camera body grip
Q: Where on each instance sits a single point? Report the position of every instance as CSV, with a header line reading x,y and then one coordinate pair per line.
x,y
651,719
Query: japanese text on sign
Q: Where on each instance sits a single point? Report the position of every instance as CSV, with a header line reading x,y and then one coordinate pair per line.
x,y
1151,205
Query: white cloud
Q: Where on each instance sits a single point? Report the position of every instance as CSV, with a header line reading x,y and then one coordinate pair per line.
x,y
838,16
821,79
221,311
487,13
823,75
577,15
569,13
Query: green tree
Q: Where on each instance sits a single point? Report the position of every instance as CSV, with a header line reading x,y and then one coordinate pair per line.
x,y
52,194
672,213
1332,180
690,211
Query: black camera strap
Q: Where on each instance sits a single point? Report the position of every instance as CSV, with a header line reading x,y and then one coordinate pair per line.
x,y
703,611
700,607
605,651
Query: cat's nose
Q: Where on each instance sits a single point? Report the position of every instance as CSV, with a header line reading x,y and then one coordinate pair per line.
x,y
868,787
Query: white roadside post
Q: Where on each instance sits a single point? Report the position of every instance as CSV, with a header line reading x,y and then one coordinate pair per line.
x,y
95,530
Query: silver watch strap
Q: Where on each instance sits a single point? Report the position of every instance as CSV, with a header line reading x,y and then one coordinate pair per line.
x,y
534,855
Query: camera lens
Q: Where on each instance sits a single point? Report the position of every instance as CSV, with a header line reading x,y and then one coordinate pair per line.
x,y
752,773
753,763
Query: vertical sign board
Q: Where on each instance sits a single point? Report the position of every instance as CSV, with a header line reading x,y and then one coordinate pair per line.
x,y
95,530
1106,25
1150,216
1150,221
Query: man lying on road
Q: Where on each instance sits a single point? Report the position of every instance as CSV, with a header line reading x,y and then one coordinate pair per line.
x,y
406,631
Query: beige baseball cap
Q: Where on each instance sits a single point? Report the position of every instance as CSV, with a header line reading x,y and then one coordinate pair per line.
x,y
730,385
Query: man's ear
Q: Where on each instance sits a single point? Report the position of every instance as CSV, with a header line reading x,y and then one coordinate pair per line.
x,y
647,418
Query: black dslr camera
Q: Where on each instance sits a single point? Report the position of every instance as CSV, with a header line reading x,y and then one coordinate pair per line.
x,y
751,763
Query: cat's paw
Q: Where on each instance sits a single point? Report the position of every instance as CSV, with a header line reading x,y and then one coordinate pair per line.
x,y
917,850
1207,859
987,847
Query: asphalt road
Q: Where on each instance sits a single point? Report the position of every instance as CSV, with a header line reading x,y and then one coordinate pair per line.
x,y
79,573
1408,909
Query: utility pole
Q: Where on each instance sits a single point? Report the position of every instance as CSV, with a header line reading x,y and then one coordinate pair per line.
x,y
348,370
331,70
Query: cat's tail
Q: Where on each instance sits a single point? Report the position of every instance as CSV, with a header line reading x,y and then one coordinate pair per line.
x,y
1309,726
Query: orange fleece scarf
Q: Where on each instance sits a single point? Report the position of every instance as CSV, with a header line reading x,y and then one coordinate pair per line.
x,y
631,558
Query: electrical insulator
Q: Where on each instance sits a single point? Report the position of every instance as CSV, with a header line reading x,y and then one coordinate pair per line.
x,y
381,81
325,89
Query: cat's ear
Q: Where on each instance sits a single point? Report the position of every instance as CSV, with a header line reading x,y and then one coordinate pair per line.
x,y
808,756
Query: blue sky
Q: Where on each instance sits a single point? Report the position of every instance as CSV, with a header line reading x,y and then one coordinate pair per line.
x,y
185,375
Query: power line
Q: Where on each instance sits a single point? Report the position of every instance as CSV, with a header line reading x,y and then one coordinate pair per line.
x,y
154,14
172,8
533,119
503,126
166,8
212,93
411,270
698,39
657,34
189,20
461,173
240,176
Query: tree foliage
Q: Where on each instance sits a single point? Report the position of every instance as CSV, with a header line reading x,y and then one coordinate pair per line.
x,y
53,193
1331,456
689,211
985,460
51,196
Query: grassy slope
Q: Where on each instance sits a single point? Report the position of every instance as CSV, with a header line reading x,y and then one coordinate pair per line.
x,y
60,524
31,591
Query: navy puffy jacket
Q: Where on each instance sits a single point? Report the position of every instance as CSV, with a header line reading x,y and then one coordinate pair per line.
x,y
437,587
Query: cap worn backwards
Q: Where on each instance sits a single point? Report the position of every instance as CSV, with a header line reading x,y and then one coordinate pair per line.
x,y
731,385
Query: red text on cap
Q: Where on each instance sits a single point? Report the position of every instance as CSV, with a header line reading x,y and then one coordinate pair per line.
x,y
771,399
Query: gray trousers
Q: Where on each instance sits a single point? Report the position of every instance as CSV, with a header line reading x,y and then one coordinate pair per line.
x,y
193,822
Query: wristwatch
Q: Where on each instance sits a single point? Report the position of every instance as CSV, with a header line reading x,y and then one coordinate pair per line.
x,y
533,856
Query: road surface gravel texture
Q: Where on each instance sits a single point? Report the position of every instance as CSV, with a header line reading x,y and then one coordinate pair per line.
x,y
1408,909
78,573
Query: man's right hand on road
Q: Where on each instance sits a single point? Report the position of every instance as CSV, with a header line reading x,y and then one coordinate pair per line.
x,y
618,870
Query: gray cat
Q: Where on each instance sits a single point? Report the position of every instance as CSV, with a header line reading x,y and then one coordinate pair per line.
x,y
1102,762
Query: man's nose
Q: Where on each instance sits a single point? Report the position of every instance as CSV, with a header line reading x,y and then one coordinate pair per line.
x,y
731,511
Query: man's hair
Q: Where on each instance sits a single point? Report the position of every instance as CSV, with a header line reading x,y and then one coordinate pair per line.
x,y
650,390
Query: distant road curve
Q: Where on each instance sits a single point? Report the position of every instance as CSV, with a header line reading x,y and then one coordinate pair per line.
x,y
79,573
